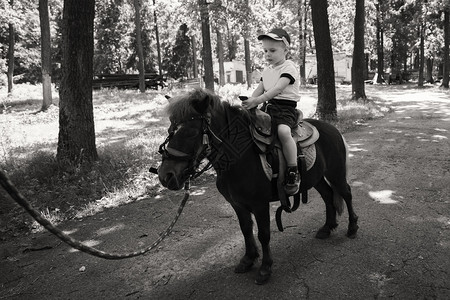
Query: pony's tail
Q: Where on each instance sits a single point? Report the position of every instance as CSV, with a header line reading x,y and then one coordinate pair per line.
x,y
346,156
338,201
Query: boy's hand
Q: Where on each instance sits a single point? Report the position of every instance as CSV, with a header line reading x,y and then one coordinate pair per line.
x,y
250,103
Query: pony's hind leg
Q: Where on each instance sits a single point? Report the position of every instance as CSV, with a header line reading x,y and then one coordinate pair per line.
x,y
251,251
326,192
352,217
343,190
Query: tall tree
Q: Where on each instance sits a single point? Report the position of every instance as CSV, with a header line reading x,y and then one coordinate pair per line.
x,y
380,41
220,57
76,140
248,62
194,57
422,52
11,42
446,72
158,45
206,51
326,86
247,59
302,19
181,60
358,89
140,50
218,23
115,46
46,64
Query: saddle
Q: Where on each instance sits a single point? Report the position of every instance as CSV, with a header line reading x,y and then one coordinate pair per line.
x,y
272,159
304,133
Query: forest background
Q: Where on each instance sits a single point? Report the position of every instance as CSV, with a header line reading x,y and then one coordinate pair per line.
x,y
395,33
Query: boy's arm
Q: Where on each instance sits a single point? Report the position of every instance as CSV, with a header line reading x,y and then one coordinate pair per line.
x,y
259,96
259,90
282,83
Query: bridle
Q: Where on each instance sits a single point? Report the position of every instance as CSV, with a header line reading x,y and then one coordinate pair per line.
x,y
194,160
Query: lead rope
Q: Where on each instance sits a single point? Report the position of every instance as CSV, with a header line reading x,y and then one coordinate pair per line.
x,y
6,183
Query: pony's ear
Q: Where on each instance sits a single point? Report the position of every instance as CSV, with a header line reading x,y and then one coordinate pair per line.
x,y
203,101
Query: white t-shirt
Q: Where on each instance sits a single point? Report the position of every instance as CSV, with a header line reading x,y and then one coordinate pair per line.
x,y
271,75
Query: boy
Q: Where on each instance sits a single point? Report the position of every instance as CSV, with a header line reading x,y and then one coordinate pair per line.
x,y
279,86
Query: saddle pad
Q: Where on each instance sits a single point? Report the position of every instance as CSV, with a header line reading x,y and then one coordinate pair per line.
x,y
305,134
310,158
262,122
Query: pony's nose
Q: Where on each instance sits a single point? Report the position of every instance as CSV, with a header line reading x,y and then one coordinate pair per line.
x,y
165,178
170,181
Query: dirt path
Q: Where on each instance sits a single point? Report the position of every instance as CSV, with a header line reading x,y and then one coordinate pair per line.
x,y
400,179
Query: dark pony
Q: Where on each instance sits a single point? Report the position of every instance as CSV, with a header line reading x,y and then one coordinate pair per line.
x,y
203,126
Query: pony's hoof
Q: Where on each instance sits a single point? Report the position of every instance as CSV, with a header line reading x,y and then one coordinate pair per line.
x,y
323,233
244,265
351,232
263,276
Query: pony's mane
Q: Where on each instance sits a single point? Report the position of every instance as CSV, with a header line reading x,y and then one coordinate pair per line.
x,y
184,106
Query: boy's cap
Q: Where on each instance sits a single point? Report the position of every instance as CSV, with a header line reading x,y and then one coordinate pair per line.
x,y
277,34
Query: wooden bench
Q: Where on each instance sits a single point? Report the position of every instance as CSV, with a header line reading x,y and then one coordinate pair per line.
x,y
186,83
127,81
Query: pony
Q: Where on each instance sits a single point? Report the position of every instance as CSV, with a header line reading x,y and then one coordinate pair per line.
x,y
203,126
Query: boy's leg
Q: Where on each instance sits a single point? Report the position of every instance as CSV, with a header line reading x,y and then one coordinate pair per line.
x,y
290,154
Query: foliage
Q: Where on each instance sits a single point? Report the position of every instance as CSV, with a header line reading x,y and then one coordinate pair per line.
x,y
113,30
24,18
115,41
181,58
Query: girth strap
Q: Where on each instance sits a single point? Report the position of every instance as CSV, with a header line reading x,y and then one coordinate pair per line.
x,y
285,203
301,162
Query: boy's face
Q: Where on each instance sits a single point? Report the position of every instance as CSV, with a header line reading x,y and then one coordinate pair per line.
x,y
274,51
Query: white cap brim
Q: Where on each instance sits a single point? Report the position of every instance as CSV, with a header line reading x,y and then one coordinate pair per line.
x,y
275,37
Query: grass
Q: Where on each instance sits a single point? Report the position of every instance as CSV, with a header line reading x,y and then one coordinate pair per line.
x,y
129,126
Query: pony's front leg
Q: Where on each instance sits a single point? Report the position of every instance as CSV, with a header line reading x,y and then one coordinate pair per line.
x,y
251,251
262,217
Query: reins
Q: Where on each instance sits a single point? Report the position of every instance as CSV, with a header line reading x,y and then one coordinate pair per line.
x,y
194,163
6,183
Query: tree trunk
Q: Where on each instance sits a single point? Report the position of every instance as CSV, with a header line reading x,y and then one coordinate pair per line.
x,y
248,62
140,49
11,41
446,63
358,88
76,140
366,66
422,54
302,18
46,64
326,105
380,44
429,78
158,45
220,57
194,57
206,52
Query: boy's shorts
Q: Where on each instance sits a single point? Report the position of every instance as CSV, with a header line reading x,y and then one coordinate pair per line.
x,y
282,112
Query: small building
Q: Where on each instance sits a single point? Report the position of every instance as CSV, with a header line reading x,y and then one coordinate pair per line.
x,y
342,67
234,71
